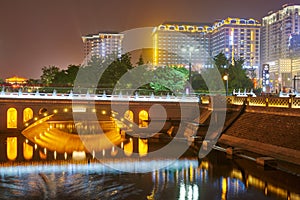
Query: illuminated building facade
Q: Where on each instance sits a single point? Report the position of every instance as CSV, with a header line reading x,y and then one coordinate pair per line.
x,y
237,39
280,44
102,45
182,43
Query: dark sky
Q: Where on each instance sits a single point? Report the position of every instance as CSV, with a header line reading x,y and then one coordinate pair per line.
x,y
37,33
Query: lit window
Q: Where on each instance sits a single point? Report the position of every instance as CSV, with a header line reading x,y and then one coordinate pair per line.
x,y
27,114
143,119
12,118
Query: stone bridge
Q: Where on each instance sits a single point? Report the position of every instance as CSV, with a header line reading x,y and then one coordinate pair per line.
x,y
46,125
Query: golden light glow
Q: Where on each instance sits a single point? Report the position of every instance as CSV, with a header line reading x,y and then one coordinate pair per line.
x,y
27,151
55,155
143,117
12,116
55,111
143,147
224,188
65,109
128,115
27,114
103,112
204,165
94,110
12,148
114,151
155,50
128,148
65,155
225,77
191,173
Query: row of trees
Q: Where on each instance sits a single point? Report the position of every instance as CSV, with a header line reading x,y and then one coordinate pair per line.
x,y
119,73
237,75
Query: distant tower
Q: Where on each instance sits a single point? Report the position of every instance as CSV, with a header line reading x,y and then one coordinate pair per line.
x,y
279,35
102,45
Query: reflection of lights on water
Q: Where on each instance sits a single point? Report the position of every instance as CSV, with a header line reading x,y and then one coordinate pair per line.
x,y
190,192
224,188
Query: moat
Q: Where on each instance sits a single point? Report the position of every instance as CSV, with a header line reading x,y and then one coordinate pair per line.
x,y
214,177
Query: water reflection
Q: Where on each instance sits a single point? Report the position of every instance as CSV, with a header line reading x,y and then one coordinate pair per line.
x,y
215,177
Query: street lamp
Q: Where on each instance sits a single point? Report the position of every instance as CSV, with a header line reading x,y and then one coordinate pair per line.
x,y
225,78
190,50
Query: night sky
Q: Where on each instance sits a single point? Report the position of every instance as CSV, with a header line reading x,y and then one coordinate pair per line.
x,y
37,33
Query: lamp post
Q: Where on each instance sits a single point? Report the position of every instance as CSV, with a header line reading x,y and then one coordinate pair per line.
x,y
225,78
190,50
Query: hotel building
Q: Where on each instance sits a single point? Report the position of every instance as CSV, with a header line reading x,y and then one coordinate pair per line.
x,y
280,45
236,38
177,43
102,45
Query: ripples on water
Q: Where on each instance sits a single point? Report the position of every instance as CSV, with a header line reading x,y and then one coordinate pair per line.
x,y
185,179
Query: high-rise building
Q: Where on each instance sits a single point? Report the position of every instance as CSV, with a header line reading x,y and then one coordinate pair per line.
x,y
180,43
237,39
102,45
279,34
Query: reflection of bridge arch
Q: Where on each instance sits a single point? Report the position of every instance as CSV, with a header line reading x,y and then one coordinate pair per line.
x,y
21,112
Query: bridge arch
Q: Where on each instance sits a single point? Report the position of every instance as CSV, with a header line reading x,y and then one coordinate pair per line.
x,y
129,115
143,118
12,118
27,114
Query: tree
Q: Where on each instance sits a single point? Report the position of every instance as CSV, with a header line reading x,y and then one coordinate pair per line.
x,y
141,61
66,77
237,75
168,79
48,74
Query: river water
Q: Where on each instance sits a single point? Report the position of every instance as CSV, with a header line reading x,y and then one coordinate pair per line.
x,y
214,177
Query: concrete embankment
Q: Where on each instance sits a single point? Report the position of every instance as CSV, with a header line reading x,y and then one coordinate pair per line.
x,y
272,132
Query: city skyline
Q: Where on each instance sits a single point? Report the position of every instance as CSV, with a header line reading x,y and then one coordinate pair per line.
x,y
35,34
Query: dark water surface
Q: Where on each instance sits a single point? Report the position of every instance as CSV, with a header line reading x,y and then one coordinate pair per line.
x,y
215,177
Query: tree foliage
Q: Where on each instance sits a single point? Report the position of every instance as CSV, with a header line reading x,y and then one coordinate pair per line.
x,y
171,79
237,75
48,74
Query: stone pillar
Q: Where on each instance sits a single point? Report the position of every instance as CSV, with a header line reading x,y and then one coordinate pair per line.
x,y
20,149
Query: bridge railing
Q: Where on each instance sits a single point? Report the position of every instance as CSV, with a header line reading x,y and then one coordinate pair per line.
x,y
281,102
104,96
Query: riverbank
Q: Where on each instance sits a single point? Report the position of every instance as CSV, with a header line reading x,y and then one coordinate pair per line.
x,y
272,132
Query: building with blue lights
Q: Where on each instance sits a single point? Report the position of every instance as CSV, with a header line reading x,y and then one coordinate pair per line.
x,y
279,33
236,38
